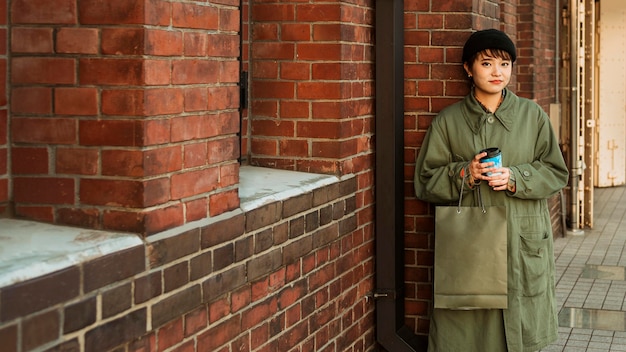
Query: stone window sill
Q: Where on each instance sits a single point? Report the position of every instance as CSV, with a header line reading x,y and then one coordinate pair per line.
x,y
30,249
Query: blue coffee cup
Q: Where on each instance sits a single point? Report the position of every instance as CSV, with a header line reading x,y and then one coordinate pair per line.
x,y
493,155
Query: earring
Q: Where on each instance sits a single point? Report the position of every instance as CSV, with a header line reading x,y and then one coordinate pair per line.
x,y
469,75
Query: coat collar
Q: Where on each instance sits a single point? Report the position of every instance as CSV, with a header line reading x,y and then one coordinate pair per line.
x,y
475,116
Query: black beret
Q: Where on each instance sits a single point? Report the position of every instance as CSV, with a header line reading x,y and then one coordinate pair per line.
x,y
488,39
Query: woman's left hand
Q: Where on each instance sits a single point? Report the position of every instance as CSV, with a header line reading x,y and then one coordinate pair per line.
x,y
499,179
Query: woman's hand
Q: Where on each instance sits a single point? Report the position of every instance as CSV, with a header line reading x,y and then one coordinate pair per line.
x,y
499,178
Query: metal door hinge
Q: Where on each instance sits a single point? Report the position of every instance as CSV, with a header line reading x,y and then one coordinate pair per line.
x,y
243,89
380,294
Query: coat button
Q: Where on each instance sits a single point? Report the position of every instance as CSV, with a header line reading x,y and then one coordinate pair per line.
x,y
526,173
490,119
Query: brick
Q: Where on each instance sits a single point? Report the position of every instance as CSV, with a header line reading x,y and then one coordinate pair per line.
x,y
110,133
77,40
163,101
318,129
8,336
43,190
33,295
76,101
164,43
273,51
263,240
219,334
170,334
79,315
176,305
295,31
258,313
281,233
116,300
195,43
170,249
264,264
45,131
294,147
200,266
222,98
113,268
122,41
121,162
194,71
147,287
164,218
156,131
223,282
218,309
293,336
68,346
128,102
43,70
187,15
296,227
109,192
222,231
230,18
187,128
76,161
312,221
193,183
297,249
116,332
37,213
29,160
244,248
176,276
195,209
223,256
40,329
195,99
263,216
111,71
274,12
223,45
143,344
325,235
157,13
291,109
31,40
128,221
240,299
157,72
224,149
195,154
43,12
196,321
113,12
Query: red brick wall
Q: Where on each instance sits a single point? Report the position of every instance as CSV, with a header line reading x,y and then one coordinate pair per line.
x,y
4,120
124,114
312,85
537,38
289,276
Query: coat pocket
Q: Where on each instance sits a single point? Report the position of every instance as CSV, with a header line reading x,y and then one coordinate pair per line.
x,y
534,258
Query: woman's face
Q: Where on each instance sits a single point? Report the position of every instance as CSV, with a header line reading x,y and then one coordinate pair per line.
x,y
490,74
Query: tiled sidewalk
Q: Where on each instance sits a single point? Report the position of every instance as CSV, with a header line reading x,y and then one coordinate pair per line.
x,y
591,280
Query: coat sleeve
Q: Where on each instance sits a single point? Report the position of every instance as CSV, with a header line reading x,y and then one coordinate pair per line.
x,y
547,174
437,169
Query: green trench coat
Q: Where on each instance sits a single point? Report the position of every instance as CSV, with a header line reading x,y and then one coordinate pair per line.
x,y
522,131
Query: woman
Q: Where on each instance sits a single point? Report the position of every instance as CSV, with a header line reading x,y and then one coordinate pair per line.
x,y
533,170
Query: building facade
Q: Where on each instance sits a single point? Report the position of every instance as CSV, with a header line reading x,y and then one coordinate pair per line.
x,y
233,145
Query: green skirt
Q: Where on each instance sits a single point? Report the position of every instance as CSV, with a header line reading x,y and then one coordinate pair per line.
x,y
467,331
